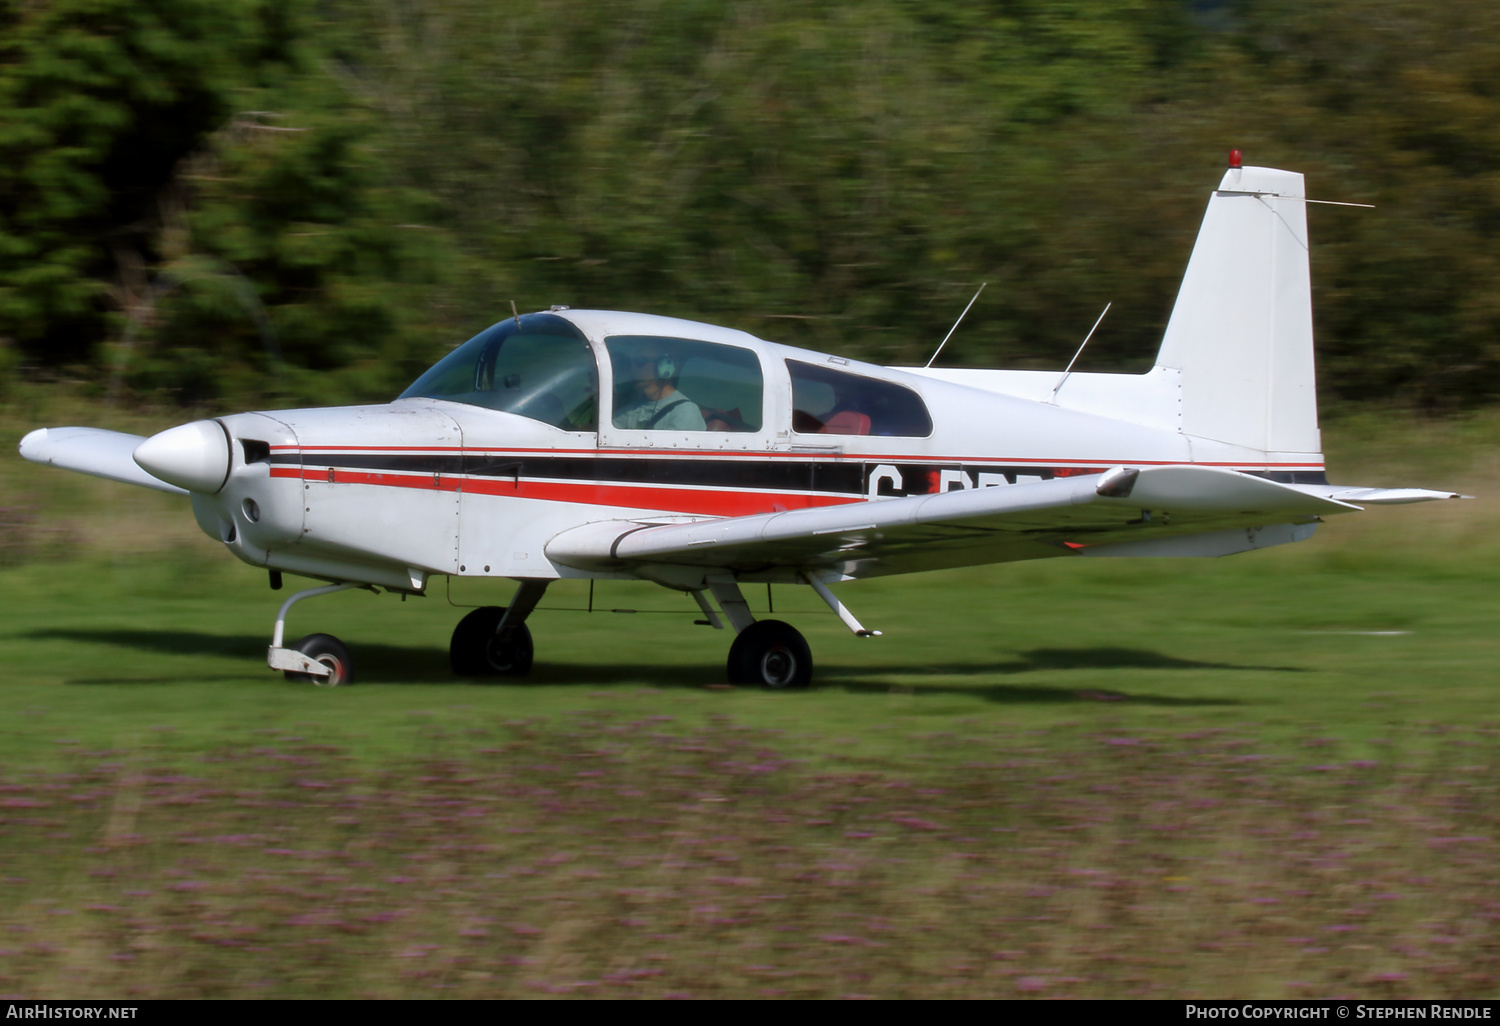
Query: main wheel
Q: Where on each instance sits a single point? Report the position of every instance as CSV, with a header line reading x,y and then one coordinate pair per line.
x,y
329,651
770,653
479,650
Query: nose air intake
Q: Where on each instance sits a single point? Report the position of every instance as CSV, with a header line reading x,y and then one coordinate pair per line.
x,y
193,456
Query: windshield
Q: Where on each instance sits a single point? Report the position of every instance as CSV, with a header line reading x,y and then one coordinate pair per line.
x,y
541,367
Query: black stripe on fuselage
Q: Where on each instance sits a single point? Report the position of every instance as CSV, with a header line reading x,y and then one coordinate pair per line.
x,y
840,477
779,475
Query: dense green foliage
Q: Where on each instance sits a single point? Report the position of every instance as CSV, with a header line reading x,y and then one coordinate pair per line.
x,y
226,200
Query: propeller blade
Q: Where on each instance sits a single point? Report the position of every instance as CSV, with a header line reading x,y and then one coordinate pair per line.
x,y
106,454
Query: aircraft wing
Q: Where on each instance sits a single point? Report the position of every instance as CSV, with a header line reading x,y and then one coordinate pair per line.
x,y
93,451
958,528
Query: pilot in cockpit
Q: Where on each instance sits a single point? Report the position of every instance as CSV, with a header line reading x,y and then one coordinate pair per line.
x,y
659,404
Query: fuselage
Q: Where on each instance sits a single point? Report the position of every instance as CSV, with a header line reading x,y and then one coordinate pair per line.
x,y
474,480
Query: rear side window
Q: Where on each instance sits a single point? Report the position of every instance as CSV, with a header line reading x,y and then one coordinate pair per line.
x,y
834,402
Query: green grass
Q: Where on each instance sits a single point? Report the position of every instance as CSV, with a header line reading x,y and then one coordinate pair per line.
x,y
611,856
98,650
135,682
1383,617
1368,624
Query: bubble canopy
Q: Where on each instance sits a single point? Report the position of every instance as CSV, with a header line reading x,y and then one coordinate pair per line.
x,y
538,366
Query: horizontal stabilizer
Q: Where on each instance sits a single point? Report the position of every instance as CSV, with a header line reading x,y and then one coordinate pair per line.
x,y
106,454
978,525
1204,489
1383,496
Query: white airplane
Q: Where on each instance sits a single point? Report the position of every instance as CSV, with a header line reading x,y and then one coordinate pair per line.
x,y
593,444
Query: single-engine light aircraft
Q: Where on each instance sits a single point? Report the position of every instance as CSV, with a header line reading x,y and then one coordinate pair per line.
x,y
593,444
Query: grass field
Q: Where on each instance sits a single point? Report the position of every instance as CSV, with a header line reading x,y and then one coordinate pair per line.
x,y
1268,775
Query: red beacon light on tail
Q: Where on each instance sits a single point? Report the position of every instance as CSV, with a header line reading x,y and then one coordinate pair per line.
x,y
1235,158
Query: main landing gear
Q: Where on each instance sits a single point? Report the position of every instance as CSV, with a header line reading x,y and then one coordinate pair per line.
x,y
772,654
494,641
768,653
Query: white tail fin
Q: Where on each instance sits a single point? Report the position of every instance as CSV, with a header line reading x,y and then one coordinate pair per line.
x,y
1241,332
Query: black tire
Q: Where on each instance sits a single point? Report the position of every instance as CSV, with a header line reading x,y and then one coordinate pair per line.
x,y
476,650
332,653
770,653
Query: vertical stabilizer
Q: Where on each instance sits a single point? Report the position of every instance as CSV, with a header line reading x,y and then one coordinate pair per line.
x,y
1241,332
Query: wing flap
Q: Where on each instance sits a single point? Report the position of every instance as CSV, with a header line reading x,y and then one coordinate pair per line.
x,y
1022,521
95,451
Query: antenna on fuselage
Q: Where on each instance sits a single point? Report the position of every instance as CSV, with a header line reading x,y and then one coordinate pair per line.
x,y
955,326
1069,369
514,314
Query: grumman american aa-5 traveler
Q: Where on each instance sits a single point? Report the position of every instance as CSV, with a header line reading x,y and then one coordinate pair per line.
x,y
593,444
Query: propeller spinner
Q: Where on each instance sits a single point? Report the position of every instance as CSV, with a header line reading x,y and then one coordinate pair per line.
x,y
193,456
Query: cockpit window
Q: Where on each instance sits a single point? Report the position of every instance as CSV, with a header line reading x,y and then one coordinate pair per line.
x,y
834,402
679,384
541,368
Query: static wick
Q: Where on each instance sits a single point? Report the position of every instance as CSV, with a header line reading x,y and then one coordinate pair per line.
x,y
1069,369
955,326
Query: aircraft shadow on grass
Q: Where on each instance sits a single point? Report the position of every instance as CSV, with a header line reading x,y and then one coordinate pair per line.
x,y
1038,660
376,663
384,664
1041,660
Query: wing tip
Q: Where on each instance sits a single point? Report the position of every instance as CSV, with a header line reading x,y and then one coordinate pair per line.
x,y
32,440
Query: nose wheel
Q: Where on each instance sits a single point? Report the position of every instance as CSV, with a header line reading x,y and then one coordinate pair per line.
x,y
319,658
325,650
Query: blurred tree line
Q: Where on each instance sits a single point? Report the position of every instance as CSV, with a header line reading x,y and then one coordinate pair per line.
x,y
216,201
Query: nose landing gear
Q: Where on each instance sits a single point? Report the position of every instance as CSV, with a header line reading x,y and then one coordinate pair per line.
x,y
320,658
328,651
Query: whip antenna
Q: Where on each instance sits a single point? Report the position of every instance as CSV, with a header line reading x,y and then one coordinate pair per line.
x,y
1069,369
955,327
